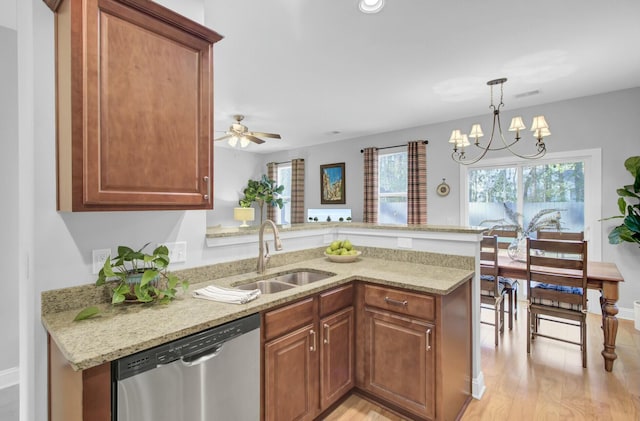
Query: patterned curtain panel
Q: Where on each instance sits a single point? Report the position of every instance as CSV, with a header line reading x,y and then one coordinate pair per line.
x,y
272,173
297,191
370,211
417,183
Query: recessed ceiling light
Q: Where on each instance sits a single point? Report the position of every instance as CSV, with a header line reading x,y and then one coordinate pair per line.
x,y
370,6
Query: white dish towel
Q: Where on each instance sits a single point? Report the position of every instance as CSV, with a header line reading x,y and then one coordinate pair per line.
x,y
226,295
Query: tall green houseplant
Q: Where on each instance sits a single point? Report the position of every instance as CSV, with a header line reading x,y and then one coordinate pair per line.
x,y
629,206
262,191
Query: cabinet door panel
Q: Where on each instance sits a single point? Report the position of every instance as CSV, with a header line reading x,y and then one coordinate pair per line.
x,y
291,376
336,356
400,364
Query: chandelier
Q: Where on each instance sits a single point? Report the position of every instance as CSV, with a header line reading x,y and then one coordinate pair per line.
x,y
460,141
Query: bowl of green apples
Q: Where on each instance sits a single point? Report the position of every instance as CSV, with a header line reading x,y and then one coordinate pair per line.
x,y
342,251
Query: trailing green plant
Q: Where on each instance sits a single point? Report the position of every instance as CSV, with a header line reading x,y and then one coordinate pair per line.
x,y
544,219
262,191
629,230
139,277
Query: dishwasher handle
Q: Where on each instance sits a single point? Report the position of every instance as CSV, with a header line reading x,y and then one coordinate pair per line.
x,y
202,356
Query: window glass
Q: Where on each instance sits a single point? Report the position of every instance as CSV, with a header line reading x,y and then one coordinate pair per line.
x,y
392,188
283,216
522,194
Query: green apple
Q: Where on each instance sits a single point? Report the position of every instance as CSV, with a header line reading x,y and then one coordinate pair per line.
x,y
347,244
329,250
335,245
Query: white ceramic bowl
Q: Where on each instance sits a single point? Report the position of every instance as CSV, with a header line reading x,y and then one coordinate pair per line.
x,y
348,258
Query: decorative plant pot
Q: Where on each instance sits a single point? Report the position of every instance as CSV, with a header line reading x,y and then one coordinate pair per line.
x,y
517,250
133,279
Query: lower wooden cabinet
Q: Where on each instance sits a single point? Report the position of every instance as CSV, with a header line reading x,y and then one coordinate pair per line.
x,y
290,376
307,368
400,366
414,350
337,354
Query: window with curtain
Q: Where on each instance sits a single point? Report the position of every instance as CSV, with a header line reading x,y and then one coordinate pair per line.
x,y
283,177
392,188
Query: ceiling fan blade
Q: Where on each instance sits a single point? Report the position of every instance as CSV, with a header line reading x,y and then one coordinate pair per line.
x,y
227,136
271,135
253,138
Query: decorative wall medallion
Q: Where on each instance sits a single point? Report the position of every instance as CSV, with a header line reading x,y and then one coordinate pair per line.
x,y
443,188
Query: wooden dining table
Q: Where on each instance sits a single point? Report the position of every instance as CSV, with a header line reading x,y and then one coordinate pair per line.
x,y
602,276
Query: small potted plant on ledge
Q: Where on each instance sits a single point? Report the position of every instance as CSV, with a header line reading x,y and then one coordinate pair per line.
x,y
139,278
262,191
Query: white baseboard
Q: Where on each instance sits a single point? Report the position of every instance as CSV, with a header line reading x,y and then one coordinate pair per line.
x,y
9,377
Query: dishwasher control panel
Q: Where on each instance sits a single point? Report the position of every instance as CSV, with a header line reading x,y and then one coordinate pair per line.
x,y
194,344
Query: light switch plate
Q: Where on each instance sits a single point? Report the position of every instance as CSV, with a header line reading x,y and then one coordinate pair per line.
x,y
177,251
99,257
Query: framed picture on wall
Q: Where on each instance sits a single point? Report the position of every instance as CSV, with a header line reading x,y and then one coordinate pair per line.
x,y
332,180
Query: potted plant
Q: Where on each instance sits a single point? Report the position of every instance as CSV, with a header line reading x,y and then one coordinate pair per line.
x,y
262,191
139,277
545,218
629,230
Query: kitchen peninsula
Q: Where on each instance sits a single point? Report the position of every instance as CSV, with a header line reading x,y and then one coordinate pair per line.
x,y
439,280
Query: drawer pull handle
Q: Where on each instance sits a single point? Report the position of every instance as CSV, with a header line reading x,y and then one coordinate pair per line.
x,y
428,334
313,344
206,180
326,334
402,303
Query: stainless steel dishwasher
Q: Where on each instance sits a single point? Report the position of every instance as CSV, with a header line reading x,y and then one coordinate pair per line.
x,y
209,376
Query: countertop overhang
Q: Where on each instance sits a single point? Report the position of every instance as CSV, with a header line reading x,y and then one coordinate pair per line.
x,y
125,329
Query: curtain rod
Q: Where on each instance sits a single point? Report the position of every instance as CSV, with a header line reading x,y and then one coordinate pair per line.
x,y
424,142
285,162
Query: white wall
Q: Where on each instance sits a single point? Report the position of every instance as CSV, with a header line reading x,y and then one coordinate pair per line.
x,y
9,194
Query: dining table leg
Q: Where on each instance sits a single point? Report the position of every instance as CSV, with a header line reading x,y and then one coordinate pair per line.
x,y
609,322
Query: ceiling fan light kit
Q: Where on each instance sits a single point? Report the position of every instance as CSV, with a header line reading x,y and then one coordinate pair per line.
x,y
239,133
370,6
460,140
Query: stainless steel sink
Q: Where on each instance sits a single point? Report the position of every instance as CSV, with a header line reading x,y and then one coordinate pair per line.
x,y
284,281
300,277
266,287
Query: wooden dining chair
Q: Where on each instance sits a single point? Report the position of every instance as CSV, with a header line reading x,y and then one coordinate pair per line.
x,y
556,287
559,235
506,237
491,292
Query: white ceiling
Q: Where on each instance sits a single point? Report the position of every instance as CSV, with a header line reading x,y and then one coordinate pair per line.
x,y
307,69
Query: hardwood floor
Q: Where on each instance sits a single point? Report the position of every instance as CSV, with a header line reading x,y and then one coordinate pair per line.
x,y
550,384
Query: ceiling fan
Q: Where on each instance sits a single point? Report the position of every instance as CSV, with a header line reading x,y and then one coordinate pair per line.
x,y
239,133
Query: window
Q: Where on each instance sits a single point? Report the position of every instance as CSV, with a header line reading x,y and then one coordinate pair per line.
x,y
283,176
498,188
392,188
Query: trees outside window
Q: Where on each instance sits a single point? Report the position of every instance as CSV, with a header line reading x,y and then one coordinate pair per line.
x,y
392,188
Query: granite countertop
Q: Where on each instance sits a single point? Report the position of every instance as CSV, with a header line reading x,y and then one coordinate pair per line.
x,y
125,329
215,232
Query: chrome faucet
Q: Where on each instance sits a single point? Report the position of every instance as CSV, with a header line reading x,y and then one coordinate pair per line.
x,y
263,257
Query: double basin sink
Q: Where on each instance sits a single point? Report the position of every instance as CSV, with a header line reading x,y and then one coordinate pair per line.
x,y
284,281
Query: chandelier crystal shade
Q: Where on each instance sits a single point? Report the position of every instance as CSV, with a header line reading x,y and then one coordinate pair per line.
x,y
460,141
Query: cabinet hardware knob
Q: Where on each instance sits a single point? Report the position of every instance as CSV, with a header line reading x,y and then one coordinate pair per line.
x,y
402,303
206,180
326,333
313,344
428,335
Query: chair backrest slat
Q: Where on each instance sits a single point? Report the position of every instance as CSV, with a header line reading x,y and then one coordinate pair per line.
x,y
489,263
505,237
559,235
563,264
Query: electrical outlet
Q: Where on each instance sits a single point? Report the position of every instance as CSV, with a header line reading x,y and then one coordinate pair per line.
x,y
99,257
177,251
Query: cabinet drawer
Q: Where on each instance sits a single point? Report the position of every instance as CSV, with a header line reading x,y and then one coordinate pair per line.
x,y
336,299
288,318
399,301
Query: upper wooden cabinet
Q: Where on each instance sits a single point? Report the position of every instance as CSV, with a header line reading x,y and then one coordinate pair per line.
x,y
134,96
